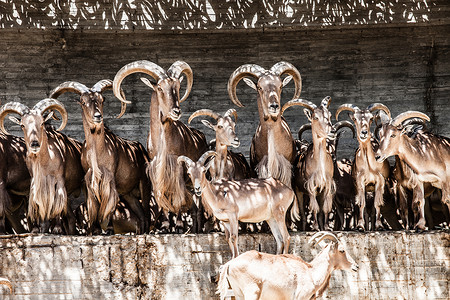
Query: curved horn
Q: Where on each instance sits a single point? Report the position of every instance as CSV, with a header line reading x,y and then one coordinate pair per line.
x,y
102,85
302,129
342,124
398,120
204,112
326,101
205,156
283,67
184,159
350,107
176,70
52,104
68,86
241,72
320,236
305,103
414,121
11,107
231,112
379,106
143,66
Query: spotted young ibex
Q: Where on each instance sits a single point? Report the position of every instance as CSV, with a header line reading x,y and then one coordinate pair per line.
x,y
273,149
54,163
226,164
248,200
113,166
428,156
263,276
168,137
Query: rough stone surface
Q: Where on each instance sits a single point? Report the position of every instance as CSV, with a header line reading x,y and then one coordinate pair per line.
x,y
393,265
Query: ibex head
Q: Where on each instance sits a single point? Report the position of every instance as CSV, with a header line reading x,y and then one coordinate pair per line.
x,y
362,118
33,120
392,132
197,170
224,126
91,100
167,86
268,86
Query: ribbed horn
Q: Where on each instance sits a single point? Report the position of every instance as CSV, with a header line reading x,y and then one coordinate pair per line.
x,y
302,102
68,86
350,107
184,159
232,112
302,129
322,235
143,66
52,104
102,85
379,106
398,120
204,112
243,71
284,67
326,102
205,156
11,107
345,123
176,70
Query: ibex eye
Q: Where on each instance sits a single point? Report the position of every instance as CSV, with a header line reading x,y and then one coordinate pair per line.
x,y
393,135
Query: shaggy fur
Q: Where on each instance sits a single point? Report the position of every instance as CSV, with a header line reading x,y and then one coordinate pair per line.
x,y
318,183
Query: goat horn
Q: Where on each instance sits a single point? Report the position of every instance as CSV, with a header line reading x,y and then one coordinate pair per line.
x,y
204,112
69,86
6,282
326,101
241,72
398,120
302,129
414,121
350,107
102,85
184,159
232,112
143,66
322,235
342,124
205,156
379,106
11,107
176,70
52,104
283,67
305,103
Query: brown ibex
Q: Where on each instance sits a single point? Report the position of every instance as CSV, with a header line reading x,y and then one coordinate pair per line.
x,y
168,137
113,166
263,276
314,172
368,174
428,156
273,149
54,163
226,164
248,200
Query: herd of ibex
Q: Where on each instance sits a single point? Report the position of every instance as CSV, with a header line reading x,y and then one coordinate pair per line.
x,y
181,179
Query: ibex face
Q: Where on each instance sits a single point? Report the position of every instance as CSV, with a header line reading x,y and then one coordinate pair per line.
x,y
321,122
269,92
196,170
168,95
92,106
225,131
342,260
33,126
362,120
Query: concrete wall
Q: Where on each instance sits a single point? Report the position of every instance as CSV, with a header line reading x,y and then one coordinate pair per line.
x,y
393,265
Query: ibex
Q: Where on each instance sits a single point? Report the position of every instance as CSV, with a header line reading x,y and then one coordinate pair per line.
x,y
314,172
53,160
428,156
256,275
113,166
248,200
226,164
168,137
273,149
5,281
368,174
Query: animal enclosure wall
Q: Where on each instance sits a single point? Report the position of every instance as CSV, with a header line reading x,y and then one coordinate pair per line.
x,y
392,265
397,55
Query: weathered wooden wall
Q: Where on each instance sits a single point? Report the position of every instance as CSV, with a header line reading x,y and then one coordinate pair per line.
x,y
392,265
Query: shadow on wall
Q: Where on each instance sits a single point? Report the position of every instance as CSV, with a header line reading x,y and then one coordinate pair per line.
x,y
207,14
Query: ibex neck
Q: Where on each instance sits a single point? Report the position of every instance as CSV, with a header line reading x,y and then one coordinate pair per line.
x,y
321,268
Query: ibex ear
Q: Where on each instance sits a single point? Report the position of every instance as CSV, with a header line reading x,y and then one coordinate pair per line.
x,y
49,116
148,83
308,114
14,120
208,124
287,80
384,118
250,83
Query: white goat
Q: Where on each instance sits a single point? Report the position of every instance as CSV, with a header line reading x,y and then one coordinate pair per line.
x,y
248,200
255,275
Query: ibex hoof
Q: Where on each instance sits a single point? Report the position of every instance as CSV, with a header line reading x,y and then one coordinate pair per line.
x,y
360,228
419,230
